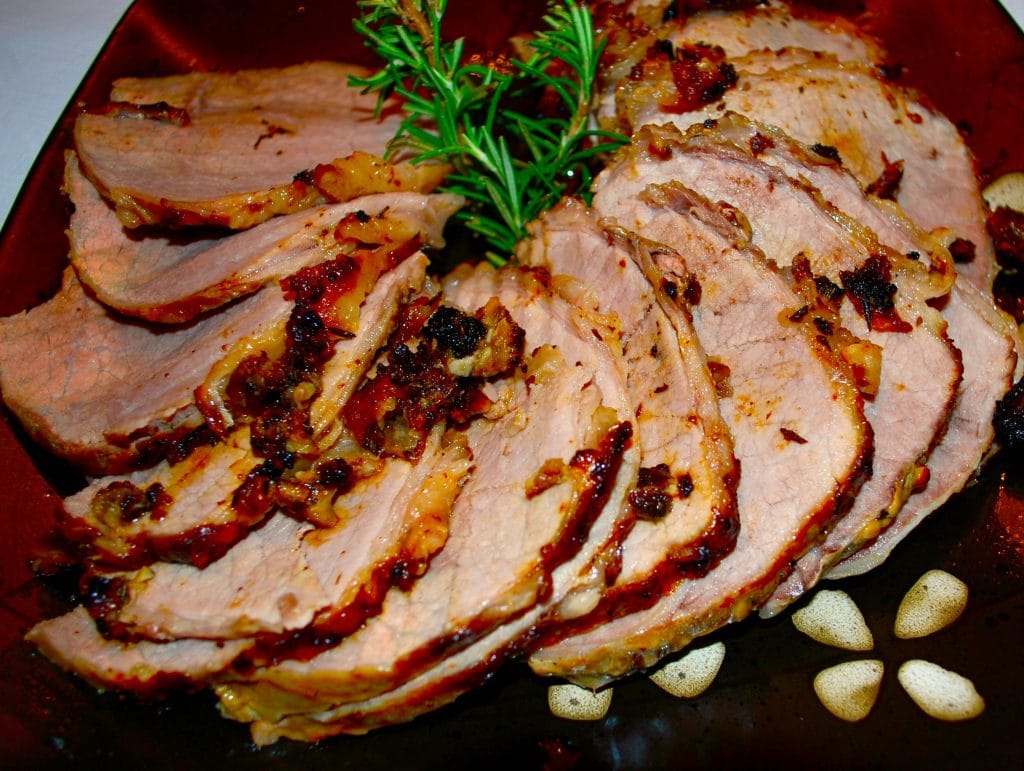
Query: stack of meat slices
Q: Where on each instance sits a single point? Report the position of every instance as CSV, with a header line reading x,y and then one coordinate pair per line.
x,y
236,534
126,390
820,81
738,373
536,482
533,535
815,79
795,415
719,194
295,420
684,505
280,419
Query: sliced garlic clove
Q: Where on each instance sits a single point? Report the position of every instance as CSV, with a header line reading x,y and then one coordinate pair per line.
x,y
849,690
833,618
570,702
942,694
1008,190
933,603
691,675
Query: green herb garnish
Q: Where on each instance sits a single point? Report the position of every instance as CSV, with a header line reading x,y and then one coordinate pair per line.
x,y
510,165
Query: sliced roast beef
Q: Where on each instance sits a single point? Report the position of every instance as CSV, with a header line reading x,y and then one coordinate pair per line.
x,y
684,505
115,388
196,513
227,149
985,339
883,298
275,714
797,419
885,136
72,641
170,280
989,358
287,575
175,510
292,587
772,26
533,532
106,393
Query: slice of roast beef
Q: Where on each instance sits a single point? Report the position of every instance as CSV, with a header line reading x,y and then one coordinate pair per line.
x,y
774,25
107,393
884,303
72,642
274,714
634,27
684,506
694,45
169,280
293,88
797,420
533,532
200,514
288,575
885,135
227,149
987,343
175,510
986,340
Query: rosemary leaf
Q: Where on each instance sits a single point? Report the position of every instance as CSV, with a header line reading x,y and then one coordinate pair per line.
x,y
509,165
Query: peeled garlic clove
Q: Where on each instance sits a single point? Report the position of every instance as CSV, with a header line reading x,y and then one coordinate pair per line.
x,y
933,603
571,702
832,618
849,690
1008,190
690,676
940,693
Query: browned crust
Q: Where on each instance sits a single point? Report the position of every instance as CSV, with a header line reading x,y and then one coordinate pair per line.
x,y
646,650
686,561
197,546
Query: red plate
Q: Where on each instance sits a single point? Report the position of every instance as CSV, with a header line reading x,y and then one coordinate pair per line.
x,y
969,58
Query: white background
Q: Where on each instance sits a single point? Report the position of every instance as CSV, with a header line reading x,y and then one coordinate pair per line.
x,y
46,46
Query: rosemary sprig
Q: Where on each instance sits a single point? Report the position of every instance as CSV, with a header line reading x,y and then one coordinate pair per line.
x,y
510,164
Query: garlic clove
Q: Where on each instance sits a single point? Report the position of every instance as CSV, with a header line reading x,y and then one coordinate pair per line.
x,y
691,675
571,702
942,694
933,603
849,690
833,618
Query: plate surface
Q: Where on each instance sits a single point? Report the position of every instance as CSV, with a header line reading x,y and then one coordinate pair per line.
x,y
969,59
